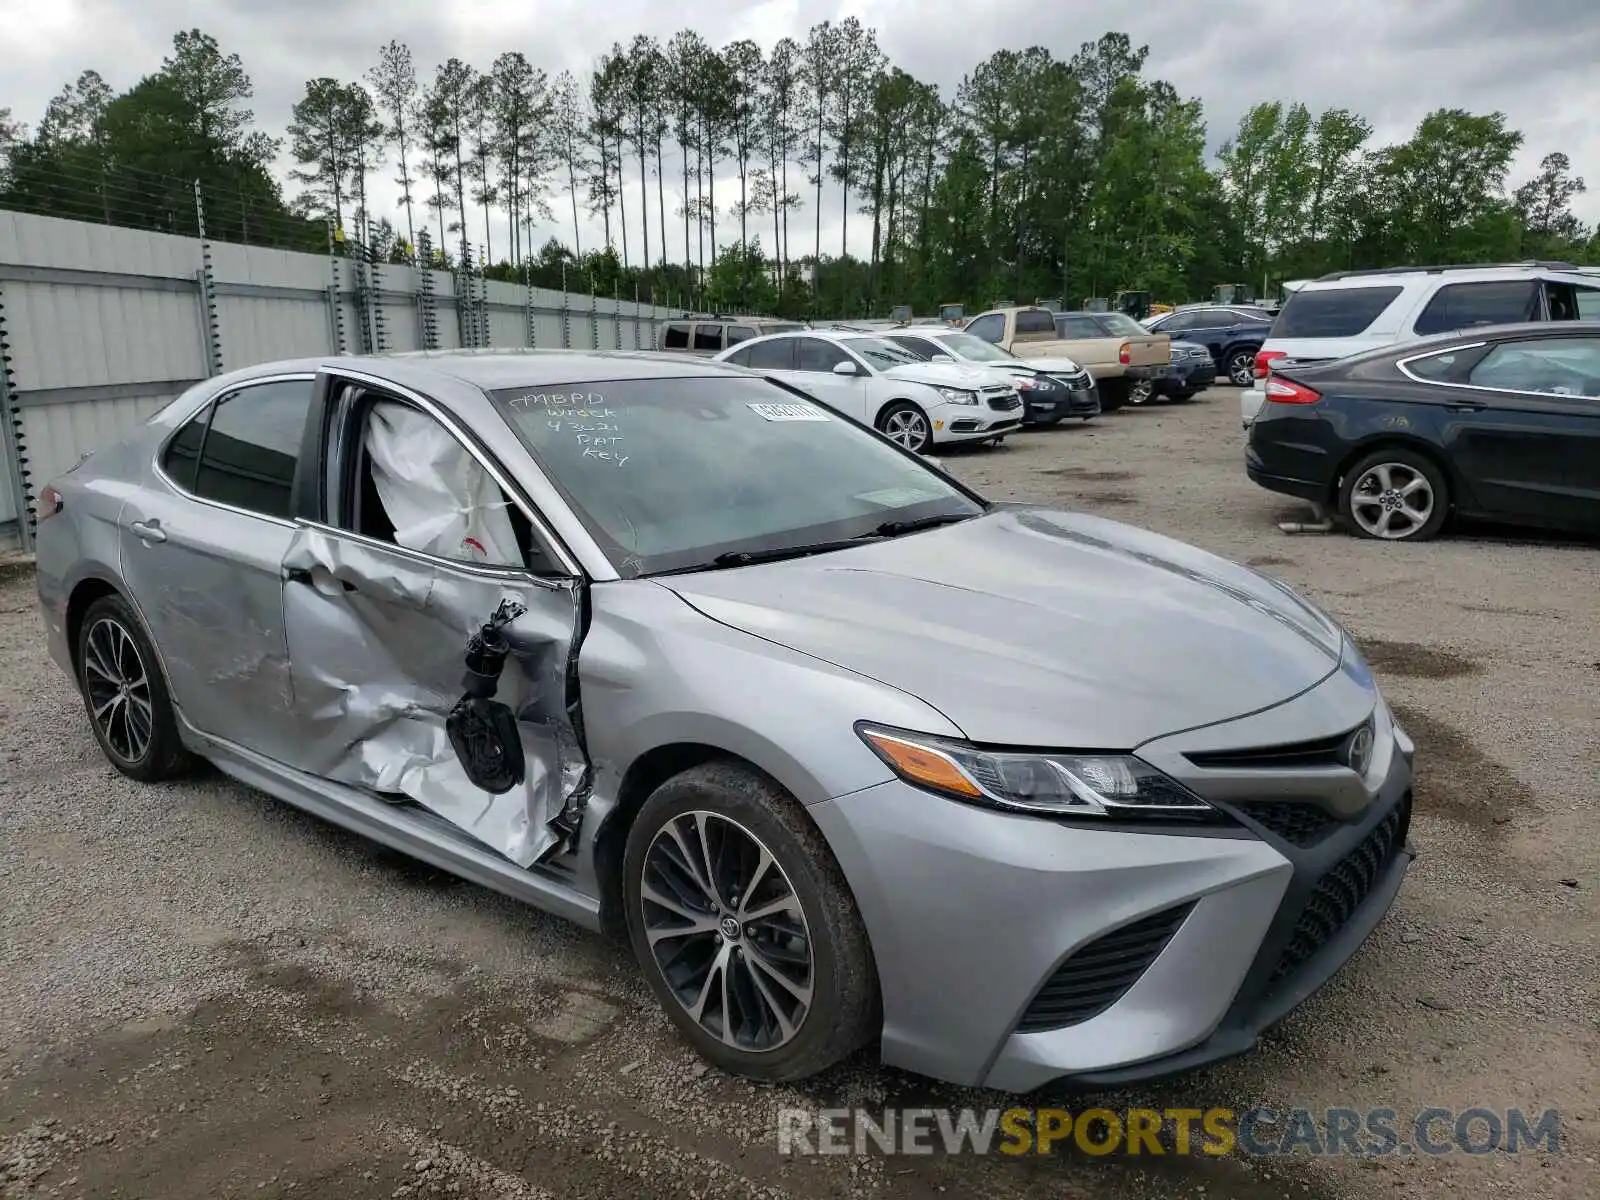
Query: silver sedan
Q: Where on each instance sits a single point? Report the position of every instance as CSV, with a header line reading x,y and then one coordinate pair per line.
x,y
849,754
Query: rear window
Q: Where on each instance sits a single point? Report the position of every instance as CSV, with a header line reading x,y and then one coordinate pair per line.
x,y
1121,324
1332,313
676,337
1040,320
1494,302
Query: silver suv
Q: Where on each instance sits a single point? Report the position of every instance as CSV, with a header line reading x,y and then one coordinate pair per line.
x,y
1351,311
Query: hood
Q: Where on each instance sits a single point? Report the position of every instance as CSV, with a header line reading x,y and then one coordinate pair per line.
x,y
952,375
1033,627
1054,366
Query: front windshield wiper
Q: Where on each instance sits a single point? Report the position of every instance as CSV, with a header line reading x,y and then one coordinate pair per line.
x,y
896,528
745,558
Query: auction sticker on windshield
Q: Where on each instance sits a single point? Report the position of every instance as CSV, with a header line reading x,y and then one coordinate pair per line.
x,y
789,412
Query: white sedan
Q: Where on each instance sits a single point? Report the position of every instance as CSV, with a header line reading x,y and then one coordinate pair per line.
x,y
917,404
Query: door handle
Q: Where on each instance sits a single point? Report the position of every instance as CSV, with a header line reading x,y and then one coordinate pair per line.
x,y
149,531
302,576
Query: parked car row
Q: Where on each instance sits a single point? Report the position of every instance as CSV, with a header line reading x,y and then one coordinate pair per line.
x,y
1399,398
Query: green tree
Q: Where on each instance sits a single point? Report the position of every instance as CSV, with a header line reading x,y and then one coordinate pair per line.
x,y
568,127
1544,205
394,84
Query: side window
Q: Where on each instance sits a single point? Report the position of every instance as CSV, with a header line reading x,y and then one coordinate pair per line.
x,y
248,456
739,333
776,355
814,354
991,328
1333,312
1435,367
183,452
1462,305
1176,323
1038,320
916,346
1070,327
418,487
739,358
675,337
1571,303
708,337
1549,366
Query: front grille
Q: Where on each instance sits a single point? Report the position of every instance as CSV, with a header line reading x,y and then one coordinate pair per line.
x,y
1006,402
1319,752
1300,824
1342,891
1100,974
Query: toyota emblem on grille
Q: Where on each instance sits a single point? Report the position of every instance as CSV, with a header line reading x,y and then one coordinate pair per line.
x,y
1359,754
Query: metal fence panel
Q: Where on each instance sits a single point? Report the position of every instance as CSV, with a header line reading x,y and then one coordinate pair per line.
x,y
101,326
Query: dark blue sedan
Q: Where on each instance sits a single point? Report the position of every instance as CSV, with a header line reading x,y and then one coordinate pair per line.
x,y
1233,335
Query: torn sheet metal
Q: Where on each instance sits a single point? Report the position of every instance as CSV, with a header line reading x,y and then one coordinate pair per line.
x,y
439,498
376,641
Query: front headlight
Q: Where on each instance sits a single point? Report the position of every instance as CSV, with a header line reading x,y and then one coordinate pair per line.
x,y
1113,786
1033,383
957,396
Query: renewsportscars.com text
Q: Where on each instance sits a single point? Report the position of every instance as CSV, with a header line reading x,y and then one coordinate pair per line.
x,y
1213,1132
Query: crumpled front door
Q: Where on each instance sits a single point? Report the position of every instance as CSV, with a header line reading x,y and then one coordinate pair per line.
x,y
377,642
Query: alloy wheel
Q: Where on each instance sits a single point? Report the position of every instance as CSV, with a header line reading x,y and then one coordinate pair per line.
x,y
1241,368
907,427
118,684
727,932
1140,392
1391,500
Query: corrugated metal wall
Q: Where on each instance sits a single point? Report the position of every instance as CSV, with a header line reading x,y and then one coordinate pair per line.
x,y
102,326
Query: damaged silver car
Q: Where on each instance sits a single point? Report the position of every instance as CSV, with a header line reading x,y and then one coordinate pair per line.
x,y
848,753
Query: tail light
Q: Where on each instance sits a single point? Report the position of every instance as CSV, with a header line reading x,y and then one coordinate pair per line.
x,y
1264,359
1287,391
49,504
1126,354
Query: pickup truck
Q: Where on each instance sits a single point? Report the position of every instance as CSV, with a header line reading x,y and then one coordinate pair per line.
x,y
1124,357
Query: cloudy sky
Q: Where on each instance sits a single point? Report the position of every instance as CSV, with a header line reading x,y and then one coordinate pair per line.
x,y
1532,60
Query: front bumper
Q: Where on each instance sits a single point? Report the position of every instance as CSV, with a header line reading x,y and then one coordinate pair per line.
x,y
1187,376
1065,400
972,422
972,913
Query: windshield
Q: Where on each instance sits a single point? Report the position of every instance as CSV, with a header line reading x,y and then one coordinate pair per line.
x,y
975,348
879,353
668,474
1122,324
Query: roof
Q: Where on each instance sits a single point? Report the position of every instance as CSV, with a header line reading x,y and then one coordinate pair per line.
x,y
492,369
1468,272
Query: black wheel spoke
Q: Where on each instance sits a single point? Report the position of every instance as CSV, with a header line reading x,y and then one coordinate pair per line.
x,y
117,685
727,931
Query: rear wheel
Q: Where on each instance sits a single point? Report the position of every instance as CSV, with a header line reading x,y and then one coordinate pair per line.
x,y
745,928
1141,391
1395,494
1113,395
125,695
905,423
1241,366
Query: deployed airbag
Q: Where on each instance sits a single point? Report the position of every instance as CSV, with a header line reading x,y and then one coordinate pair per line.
x,y
438,497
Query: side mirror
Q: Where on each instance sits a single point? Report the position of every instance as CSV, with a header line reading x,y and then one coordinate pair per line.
x,y
845,368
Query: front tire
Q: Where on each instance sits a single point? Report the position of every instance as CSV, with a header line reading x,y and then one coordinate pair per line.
x,y
1395,495
745,927
1141,392
906,424
125,694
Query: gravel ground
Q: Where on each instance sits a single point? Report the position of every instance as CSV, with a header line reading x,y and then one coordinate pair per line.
x,y
205,993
